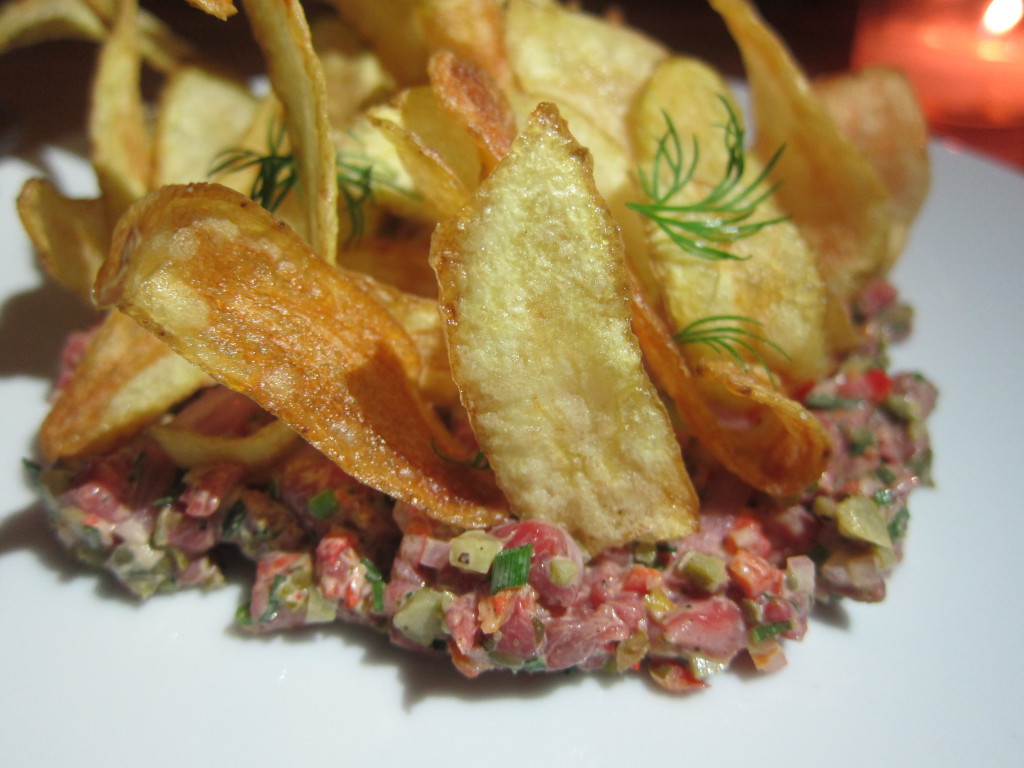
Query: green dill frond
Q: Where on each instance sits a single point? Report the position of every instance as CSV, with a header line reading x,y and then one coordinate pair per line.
x,y
724,215
276,174
726,334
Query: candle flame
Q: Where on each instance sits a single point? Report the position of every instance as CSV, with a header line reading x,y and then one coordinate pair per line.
x,y
1002,15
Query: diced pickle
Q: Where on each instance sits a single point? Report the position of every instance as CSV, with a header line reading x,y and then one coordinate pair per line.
x,y
860,518
474,551
421,617
562,571
703,571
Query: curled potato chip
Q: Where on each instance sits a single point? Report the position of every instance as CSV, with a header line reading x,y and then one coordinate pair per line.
x,y
472,30
297,77
188,448
70,236
474,98
222,9
237,292
828,187
876,109
392,30
534,291
34,21
127,378
766,439
118,132
772,281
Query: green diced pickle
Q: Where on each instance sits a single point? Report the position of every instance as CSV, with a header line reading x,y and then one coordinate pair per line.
x,y
860,518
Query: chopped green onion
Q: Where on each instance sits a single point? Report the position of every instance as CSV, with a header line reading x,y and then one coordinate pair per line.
x,y
763,632
33,469
234,518
884,496
823,401
323,505
885,474
377,583
898,525
511,568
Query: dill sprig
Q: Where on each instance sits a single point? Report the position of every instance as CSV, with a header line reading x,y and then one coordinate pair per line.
x,y
727,334
723,216
276,174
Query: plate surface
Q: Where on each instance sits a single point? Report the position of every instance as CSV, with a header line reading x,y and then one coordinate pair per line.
x,y
89,676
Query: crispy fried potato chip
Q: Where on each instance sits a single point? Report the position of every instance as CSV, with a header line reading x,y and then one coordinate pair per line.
x,y
126,379
772,282
473,30
471,96
118,132
571,57
764,438
830,190
238,293
876,110
297,78
188,448
29,22
159,45
436,150
222,9
200,115
392,30
534,291
70,236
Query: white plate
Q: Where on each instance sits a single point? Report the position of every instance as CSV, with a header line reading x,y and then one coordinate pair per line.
x,y
930,677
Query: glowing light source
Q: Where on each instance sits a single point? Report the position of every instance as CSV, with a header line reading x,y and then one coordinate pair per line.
x,y
1001,16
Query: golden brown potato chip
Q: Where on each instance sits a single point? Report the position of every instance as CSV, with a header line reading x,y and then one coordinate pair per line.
x,y
70,236
827,187
189,449
118,131
877,110
534,291
34,21
126,379
691,148
235,291
571,57
297,78
470,95
200,115
769,441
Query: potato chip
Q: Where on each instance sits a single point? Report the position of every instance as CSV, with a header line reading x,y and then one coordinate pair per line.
x,y
392,30
768,440
70,236
118,132
222,9
470,95
828,188
765,277
189,449
534,291
574,58
34,21
126,380
238,293
200,115
297,78
876,110
472,30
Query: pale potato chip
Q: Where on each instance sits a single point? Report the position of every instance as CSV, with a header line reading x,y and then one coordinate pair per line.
x,y
392,29
768,440
877,110
828,188
353,75
571,57
222,9
70,236
534,291
691,149
238,293
35,21
472,30
126,380
118,132
200,115
297,77
159,46
188,448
